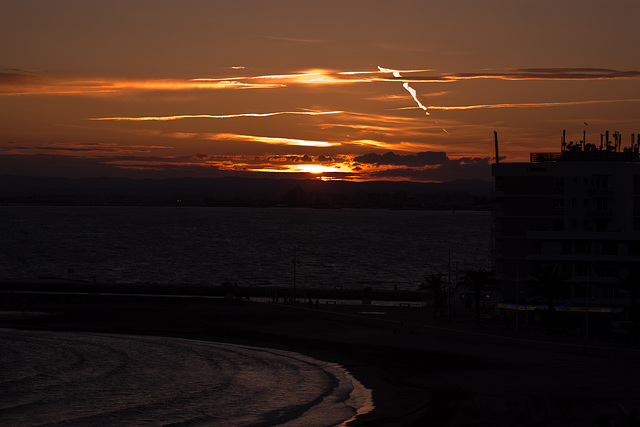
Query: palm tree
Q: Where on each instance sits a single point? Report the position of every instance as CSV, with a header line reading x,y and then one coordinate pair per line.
x,y
551,283
478,281
435,284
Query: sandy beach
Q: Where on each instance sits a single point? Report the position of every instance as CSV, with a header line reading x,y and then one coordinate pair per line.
x,y
422,371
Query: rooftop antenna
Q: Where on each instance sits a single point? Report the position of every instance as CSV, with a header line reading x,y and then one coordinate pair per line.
x,y
495,137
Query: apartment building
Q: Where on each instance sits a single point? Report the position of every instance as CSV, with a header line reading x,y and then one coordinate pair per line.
x,y
578,209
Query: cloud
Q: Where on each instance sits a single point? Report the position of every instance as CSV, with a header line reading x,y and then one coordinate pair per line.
x,y
422,166
425,158
270,140
17,77
463,168
85,149
550,74
20,82
32,84
209,116
531,104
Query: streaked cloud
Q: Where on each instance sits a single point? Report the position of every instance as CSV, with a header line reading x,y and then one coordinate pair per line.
x,y
270,140
18,82
531,104
550,74
34,84
210,116
85,149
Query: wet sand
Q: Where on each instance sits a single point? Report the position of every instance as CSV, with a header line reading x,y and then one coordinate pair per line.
x,y
421,371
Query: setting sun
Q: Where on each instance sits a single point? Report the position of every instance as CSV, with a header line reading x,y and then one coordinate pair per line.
x,y
317,168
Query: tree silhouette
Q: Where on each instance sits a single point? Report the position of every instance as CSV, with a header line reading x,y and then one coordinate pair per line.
x,y
551,283
435,284
478,281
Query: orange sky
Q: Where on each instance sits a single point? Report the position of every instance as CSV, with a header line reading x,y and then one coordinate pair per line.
x,y
409,90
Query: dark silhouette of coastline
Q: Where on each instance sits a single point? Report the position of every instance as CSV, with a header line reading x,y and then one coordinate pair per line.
x,y
244,192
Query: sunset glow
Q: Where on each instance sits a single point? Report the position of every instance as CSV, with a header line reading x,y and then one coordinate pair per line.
x,y
272,89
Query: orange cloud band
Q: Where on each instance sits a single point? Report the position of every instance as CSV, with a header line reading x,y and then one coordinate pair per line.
x,y
270,140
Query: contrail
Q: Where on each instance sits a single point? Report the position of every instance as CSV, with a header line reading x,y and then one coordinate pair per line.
x,y
209,116
412,91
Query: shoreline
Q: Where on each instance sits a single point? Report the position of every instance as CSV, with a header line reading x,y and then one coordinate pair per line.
x,y
420,370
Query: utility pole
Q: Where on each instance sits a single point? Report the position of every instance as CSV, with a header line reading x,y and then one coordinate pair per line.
x,y
518,299
586,315
449,290
295,264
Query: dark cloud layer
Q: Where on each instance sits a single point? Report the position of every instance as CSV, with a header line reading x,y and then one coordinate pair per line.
x,y
462,168
424,158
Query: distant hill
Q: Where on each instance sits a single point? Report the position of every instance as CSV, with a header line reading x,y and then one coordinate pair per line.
x,y
241,192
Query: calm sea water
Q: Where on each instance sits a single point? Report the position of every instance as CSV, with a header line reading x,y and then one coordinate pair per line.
x,y
75,379
246,246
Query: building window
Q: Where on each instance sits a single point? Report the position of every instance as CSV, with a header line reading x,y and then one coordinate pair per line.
x,y
601,225
602,181
582,269
583,247
558,225
609,248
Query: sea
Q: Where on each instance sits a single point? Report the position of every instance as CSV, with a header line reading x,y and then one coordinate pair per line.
x,y
78,379
351,248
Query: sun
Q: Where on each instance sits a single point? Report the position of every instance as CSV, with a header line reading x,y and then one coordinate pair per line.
x,y
318,169
310,168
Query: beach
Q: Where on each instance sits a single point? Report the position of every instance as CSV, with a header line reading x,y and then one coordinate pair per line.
x,y
422,371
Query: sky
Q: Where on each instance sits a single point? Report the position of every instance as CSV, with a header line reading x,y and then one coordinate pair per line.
x,y
348,89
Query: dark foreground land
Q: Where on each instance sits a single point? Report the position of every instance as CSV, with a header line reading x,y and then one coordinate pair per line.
x,y
421,371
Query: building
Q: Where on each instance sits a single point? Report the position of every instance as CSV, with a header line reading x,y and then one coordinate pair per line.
x,y
578,209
